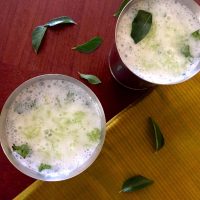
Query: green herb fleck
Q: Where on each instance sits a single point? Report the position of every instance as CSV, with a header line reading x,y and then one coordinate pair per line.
x,y
78,116
141,25
89,46
70,94
196,34
158,137
185,50
58,102
135,183
94,135
43,167
23,150
69,97
90,78
21,108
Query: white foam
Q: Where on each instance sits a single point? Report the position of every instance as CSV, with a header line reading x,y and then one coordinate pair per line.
x,y
158,58
54,118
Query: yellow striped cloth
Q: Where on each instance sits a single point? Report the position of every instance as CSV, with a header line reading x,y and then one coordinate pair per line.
x,y
128,151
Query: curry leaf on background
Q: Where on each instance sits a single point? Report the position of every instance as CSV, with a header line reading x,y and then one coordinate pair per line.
x,y
136,183
89,46
91,78
60,20
39,32
141,25
122,5
37,36
158,137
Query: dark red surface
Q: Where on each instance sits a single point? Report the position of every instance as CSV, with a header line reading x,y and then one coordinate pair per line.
x,y
18,62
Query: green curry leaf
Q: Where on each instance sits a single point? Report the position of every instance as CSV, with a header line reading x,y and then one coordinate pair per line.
x,y
158,137
122,5
60,20
37,37
91,78
141,25
89,46
136,183
39,32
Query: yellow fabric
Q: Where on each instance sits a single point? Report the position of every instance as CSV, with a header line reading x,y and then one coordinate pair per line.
x,y
128,151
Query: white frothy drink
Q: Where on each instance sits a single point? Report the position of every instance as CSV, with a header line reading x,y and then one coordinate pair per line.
x,y
158,58
59,122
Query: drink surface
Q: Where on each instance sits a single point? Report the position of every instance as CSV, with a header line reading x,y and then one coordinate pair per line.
x,y
59,122
158,58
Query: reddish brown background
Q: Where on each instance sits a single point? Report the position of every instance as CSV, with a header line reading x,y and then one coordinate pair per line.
x,y
18,62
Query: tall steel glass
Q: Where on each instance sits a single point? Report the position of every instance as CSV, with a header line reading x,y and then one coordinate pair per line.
x,y
124,75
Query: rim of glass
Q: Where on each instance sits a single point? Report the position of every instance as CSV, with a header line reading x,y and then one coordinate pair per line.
x,y
3,137
194,7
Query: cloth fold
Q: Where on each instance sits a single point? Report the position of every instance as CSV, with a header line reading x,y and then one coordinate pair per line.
x,y
129,150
